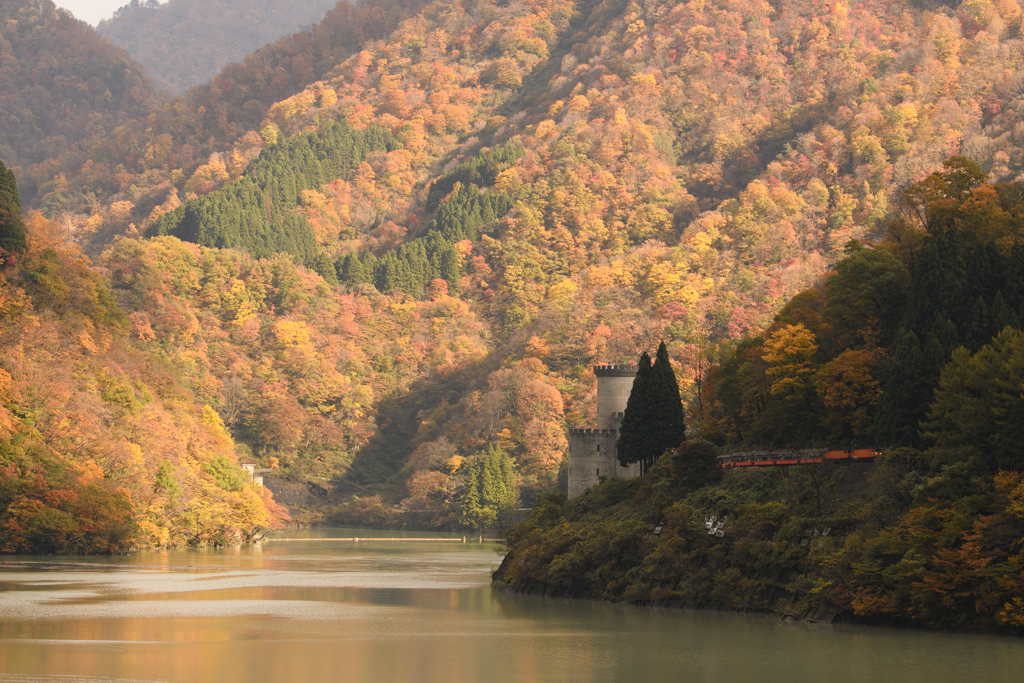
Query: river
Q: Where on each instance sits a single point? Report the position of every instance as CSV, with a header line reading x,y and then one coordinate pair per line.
x,y
319,610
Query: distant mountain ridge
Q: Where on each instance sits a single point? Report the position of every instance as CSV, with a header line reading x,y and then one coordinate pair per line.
x,y
62,88
185,42
82,158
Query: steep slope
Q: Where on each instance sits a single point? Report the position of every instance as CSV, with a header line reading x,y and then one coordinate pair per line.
x,y
12,225
585,178
862,356
915,342
295,368
103,446
186,42
705,166
210,130
62,89
752,178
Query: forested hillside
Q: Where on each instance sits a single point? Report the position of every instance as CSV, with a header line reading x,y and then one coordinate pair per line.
x,y
186,42
63,88
867,99
860,358
257,213
295,368
103,446
501,194
916,343
130,166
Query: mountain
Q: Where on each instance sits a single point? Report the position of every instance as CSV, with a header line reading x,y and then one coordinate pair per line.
x,y
63,88
103,446
129,169
915,344
517,191
186,42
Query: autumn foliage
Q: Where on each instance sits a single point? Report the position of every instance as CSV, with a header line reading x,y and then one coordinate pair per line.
x,y
187,42
860,358
102,447
914,344
557,184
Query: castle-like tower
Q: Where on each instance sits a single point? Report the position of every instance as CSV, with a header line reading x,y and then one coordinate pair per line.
x,y
592,451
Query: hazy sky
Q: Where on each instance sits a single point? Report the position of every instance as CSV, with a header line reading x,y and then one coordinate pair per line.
x,y
91,10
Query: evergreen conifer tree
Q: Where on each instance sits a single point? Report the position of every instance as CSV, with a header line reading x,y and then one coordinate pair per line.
x,y
489,492
1000,315
1009,450
945,332
669,417
1014,291
12,228
325,267
940,282
907,393
634,437
978,332
654,420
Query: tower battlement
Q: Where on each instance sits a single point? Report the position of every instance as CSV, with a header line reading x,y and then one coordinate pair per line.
x,y
615,370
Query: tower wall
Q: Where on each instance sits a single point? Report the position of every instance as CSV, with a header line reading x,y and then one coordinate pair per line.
x,y
614,382
592,456
592,451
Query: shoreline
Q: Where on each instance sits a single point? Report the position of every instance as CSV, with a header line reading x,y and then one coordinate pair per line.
x,y
810,616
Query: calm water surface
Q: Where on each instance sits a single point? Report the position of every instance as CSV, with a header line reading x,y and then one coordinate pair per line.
x,y
318,610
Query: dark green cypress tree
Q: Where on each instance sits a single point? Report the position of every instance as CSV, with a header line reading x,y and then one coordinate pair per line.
x,y
370,267
1014,290
405,277
488,495
1009,447
325,267
389,274
12,227
654,420
985,268
978,331
939,285
634,437
449,264
906,393
934,358
945,332
487,215
340,268
1001,316
352,270
669,417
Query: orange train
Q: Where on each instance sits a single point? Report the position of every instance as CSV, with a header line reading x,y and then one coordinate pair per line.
x,y
853,455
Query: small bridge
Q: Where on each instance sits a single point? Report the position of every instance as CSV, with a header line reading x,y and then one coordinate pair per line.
x,y
805,456
362,539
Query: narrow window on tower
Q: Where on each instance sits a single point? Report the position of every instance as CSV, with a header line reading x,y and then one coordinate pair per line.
x,y
598,448
599,471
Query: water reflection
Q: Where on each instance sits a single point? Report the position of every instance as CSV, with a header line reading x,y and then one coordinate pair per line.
x,y
326,611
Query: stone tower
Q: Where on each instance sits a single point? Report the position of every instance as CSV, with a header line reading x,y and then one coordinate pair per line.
x,y
592,451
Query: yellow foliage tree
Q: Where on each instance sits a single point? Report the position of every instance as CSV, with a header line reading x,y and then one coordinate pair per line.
x,y
788,352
